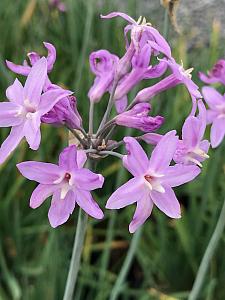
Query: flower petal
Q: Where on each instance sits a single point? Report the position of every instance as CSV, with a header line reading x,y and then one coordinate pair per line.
x,y
180,174
136,161
212,97
81,158
163,152
217,132
191,132
15,92
119,14
11,142
121,104
60,210
9,114
35,82
87,203
167,202
142,212
51,55
130,192
18,69
68,158
86,180
41,172
42,192
32,131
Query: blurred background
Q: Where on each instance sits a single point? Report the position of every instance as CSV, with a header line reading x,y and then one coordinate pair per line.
x,y
34,258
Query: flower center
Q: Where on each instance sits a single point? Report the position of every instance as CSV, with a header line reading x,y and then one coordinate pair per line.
x,y
153,183
67,177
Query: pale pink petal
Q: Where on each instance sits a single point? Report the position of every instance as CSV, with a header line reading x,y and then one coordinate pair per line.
x,y
11,142
142,212
121,104
119,14
9,114
179,174
41,172
202,118
204,145
60,210
136,160
211,115
217,132
81,158
15,92
85,179
87,203
151,138
35,82
167,202
163,152
130,192
32,131
212,97
33,57
190,131
18,69
42,192
51,55
68,158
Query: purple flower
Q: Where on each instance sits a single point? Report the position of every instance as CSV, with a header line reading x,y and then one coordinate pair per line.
x,y
179,76
25,108
141,33
217,74
33,58
138,118
141,70
103,65
64,113
68,183
215,114
153,180
192,149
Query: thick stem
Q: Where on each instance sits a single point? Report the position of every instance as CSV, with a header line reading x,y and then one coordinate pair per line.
x,y
196,289
76,255
126,265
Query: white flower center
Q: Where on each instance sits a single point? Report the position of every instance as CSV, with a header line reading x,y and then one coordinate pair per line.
x,y
67,183
153,182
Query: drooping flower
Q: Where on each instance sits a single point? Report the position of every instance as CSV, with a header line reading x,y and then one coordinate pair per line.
x,y
68,183
179,76
25,108
215,114
64,113
217,74
153,180
138,118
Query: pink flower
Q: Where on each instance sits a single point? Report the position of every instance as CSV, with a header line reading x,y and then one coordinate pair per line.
x,y
153,180
68,183
215,114
217,74
25,108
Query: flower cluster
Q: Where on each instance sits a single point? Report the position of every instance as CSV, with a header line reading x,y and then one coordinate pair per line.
x,y
215,101
173,161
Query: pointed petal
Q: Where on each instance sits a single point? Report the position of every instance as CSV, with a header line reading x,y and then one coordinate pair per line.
x,y
35,82
142,212
45,173
9,114
60,210
151,138
86,180
18,69
42,192
68,158
121,104
136,161
191,131
167,203
202,118
87,203
15,92
32,131
179,174
51,55
130,192
211,115
217,132
212,97
50,98
119,14
163,152
81,158
11,142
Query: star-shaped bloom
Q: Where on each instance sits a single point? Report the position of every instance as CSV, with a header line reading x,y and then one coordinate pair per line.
x,y
68,183
153,180
25,108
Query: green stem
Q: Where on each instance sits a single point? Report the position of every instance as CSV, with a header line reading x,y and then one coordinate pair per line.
x,y
91,118
208,255
76,255
126,265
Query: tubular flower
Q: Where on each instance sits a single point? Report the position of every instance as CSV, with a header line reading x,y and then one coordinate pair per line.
x,y
25,108
215,114
138,118
217,74
68,183
153,180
